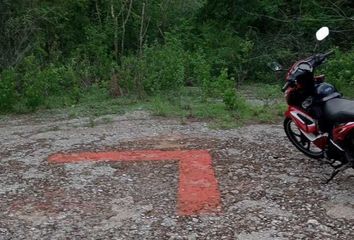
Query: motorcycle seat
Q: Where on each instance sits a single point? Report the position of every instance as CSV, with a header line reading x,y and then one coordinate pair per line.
x,y
339,110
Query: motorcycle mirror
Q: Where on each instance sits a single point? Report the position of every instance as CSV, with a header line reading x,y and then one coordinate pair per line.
x,y
275,66
322,33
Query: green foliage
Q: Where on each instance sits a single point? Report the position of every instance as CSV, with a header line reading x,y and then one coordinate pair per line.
x,y
227,88
129,76
54,53
233,101
339,71
165,67
36,85
224,48
33,86
268,91
187,105
162,106
33,83
277,30
160,68
7,90
199,72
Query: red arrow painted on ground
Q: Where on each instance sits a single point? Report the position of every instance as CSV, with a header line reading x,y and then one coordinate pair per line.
x,y
198,191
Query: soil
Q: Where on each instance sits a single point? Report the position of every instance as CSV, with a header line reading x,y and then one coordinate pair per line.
x,y
268,189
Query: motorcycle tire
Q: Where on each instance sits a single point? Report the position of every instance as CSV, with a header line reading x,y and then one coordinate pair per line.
x,y
300,141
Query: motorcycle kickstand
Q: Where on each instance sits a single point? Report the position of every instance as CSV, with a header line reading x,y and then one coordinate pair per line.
x,y
329,162
339,169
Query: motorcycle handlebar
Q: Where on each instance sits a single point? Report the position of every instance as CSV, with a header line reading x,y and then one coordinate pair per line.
x,y
316,60
319,58
328,53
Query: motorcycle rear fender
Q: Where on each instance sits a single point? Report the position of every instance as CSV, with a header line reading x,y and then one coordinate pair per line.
x,y
302,120
340,133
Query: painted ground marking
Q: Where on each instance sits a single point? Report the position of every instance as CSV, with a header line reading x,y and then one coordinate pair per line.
x,y
198,191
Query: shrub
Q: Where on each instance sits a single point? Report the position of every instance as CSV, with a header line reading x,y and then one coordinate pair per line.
x,y
7,90
339,71
32,83
226,86
198,69
29,86
129,76
37,84
165,66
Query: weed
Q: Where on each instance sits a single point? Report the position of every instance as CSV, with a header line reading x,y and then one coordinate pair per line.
x,y
54,129
106,120
161,106
92,122
188,103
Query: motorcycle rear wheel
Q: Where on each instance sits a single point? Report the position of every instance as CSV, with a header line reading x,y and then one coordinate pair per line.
x,y
298,139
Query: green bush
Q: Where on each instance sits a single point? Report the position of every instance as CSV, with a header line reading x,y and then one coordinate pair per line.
x,y
165,67
30,86
339,71
7,90
226,87
225,48
129,76
32,83
37,84
198,69
92,62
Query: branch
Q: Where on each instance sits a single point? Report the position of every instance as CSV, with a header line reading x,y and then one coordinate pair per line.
x,y
291,21
98,12
342,13
124,23
266,16
141,37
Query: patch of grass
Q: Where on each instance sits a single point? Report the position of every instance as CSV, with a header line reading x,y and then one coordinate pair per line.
x,y
21,108
55,102
92,122
186,104
162,106
344,88
269,113
98,103
262,91
106,120
267,91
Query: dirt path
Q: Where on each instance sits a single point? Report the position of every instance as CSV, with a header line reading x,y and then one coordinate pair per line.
x,y
268,190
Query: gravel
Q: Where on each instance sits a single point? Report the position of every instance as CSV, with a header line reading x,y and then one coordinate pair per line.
x,y
268,189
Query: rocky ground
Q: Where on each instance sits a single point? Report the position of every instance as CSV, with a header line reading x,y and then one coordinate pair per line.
x,y
268,189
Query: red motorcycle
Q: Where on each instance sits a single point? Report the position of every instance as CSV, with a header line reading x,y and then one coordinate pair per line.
x,y
318,122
